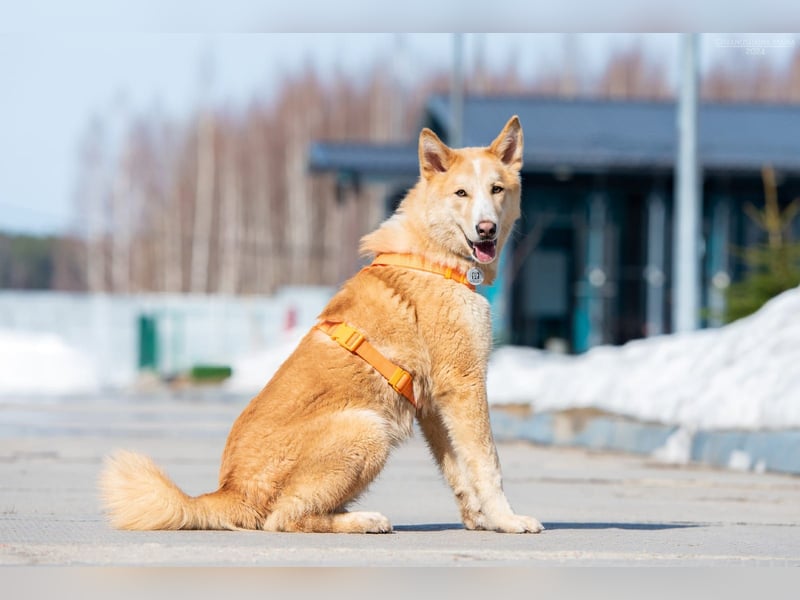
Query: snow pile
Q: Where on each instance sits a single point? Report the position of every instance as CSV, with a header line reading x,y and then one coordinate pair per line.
x,y
745,375
251,372
36,363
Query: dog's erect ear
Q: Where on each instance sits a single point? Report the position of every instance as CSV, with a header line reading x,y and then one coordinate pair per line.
x,y
434,155
508,145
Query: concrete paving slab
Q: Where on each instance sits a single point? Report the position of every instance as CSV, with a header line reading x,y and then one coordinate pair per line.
x,y
600,508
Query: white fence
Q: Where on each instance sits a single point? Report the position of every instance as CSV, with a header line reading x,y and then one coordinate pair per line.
x,y
191,329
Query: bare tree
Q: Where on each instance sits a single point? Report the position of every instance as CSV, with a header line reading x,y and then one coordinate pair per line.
x,y
739,78
631,73
204,203
121,222
225,203
230,219
172,232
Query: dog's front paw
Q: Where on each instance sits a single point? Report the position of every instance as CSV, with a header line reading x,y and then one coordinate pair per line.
x,y
516,524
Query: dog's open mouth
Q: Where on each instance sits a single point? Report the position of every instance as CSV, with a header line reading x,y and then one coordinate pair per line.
x,y
484,252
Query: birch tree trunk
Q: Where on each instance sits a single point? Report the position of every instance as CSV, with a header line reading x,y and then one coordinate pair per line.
x,y
229,221
121,230
204,198
260,242
297,200
96,234
173,238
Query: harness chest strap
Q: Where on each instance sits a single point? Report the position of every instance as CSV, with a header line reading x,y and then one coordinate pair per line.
x,y
353,341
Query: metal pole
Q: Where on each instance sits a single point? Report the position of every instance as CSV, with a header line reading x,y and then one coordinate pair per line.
x,y
688,196
457,93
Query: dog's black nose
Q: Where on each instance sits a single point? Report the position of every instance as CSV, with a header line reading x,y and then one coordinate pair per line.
x,y
486,230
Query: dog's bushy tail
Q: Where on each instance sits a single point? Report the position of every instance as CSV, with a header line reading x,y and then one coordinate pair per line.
x,y
138,495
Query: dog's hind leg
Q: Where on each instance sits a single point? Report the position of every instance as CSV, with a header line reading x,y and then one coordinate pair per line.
x,y
348,451
345,522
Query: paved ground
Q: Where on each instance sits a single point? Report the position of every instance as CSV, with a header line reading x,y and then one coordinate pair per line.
x,y
599,508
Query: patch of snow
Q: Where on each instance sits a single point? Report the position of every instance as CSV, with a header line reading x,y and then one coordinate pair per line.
x,y
745,375
677,450
251,372
39,363
739,460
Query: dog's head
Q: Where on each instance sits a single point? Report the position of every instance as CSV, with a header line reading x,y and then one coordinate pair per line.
x,y
472,195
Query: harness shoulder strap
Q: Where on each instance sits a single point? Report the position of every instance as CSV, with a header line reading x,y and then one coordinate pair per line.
x,y
353,341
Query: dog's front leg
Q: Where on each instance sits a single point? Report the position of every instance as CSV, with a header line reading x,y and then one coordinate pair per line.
x,y
442,449
460,437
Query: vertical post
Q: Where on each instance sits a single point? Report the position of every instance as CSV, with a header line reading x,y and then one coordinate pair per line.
x,y
717,263
654,271
590,322
457,93
596,274
686,274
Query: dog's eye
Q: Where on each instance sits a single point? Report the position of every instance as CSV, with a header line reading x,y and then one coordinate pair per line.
x,y
461,193
496,189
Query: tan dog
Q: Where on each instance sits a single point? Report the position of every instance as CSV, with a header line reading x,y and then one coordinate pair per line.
x,y
321,430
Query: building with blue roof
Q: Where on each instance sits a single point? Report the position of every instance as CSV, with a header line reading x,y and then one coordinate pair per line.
x,y
591,261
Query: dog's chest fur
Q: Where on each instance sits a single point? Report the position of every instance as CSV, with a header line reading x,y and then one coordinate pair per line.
x,y
456,334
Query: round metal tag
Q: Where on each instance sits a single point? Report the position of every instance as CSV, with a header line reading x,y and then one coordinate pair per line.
x,y
475,276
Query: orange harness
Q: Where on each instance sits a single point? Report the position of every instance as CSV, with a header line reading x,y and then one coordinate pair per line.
x,y
354,341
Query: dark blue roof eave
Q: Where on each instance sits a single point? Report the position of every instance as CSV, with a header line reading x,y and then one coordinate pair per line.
x,y
595,135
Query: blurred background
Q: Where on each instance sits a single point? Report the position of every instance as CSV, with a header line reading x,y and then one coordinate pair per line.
x,y
178,207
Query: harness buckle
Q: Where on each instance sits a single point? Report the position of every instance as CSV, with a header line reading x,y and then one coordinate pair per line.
x,y
347,337
399,380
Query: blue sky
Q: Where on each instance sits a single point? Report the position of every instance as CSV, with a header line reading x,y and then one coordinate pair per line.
x,y
55,83
58,75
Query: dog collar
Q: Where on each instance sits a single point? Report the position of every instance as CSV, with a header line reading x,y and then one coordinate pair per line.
x,y
471,278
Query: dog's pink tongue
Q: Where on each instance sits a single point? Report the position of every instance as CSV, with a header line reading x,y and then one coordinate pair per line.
x,y
485,251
